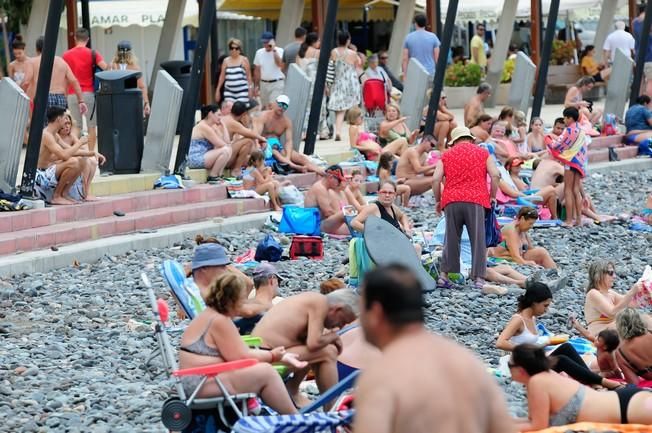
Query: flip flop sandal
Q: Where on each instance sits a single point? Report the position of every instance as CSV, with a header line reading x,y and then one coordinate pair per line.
x,y
444,283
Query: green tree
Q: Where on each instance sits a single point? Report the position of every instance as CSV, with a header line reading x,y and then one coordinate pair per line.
x,y
17,12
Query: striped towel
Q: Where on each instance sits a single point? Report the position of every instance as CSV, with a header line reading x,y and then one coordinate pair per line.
x,y
307,423
571,148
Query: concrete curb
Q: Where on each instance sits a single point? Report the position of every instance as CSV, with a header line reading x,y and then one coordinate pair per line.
x,y
634,164
46,260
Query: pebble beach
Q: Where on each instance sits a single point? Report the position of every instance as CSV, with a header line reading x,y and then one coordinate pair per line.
x,y
74,341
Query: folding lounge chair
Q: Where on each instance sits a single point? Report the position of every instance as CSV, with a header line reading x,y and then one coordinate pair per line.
x,y
177,411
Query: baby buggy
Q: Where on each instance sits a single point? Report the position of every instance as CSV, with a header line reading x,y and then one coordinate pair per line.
x,y
374,101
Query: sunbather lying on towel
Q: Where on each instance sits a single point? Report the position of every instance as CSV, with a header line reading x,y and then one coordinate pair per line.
x,y
306,325
518,246
213,338
557,400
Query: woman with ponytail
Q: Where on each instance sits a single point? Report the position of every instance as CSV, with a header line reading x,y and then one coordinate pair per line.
x,y
522,329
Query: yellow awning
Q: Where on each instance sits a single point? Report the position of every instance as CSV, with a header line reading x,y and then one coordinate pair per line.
x,y
348,10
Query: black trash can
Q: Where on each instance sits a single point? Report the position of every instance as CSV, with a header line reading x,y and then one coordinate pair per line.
x,y
120,129
180,71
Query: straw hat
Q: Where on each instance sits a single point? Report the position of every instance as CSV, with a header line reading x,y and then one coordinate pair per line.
x,y
461,132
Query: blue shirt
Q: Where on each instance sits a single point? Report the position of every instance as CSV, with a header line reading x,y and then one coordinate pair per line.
x,y
636,118
421,45
637,24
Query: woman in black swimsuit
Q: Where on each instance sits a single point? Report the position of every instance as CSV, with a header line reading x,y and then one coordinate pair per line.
x,y
386,209
212,338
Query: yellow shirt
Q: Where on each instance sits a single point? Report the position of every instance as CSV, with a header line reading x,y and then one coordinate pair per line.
x,y
477,42
589,65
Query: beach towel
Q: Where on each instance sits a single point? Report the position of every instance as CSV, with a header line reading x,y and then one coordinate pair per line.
x,y
571,149
359,261
598,427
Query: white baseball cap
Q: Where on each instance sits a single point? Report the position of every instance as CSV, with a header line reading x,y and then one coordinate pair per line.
x,y
283,99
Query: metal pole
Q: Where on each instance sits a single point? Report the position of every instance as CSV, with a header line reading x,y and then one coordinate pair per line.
x,y
320,79
214,54
545,58
643,39
5,41
41,97
440,68
86,21
189,101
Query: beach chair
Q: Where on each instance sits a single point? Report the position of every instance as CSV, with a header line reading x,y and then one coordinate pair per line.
x,y
186,293
374,100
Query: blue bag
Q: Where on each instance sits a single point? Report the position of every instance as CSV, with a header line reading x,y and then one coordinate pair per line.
x,y
491,227
170,181
268,250
300,221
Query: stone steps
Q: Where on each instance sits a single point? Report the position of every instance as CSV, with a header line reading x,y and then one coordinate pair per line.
x,y
602,155
606,142
61,233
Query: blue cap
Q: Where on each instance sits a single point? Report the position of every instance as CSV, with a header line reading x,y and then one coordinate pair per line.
x,y
209,255
267,36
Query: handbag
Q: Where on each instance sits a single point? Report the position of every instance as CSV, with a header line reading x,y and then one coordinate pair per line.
x,y
493,235
300,221
268,249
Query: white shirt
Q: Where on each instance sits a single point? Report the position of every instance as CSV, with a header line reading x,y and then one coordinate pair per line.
x,y
269,70
619,39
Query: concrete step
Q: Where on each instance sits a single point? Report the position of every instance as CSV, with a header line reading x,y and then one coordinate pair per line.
x,y
607,141
31,239
128,183
127,203
602,155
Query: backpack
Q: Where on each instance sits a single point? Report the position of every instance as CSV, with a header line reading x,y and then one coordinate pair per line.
x,y
268,250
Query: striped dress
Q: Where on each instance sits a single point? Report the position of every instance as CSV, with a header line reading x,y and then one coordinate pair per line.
x,y
236,86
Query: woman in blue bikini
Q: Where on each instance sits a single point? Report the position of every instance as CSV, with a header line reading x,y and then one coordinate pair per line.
x,y
555,400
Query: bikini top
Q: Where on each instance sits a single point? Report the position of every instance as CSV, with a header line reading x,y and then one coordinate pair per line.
x,y
568,413
199,346
525,337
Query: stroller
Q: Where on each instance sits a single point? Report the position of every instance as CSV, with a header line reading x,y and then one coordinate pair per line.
x,y
374,100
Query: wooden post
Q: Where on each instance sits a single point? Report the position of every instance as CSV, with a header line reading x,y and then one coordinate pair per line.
x,y
535,31
318,17
633,12
432,13
71,21
205,96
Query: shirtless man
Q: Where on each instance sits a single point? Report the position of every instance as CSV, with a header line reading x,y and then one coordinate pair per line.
x,y
306,324
18,69
90,163
422,383
208,144
324,194
58,165
410,166
475,106
243,140
272,124
62,79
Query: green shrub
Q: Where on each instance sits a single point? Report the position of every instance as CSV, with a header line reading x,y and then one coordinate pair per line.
x,y
460,75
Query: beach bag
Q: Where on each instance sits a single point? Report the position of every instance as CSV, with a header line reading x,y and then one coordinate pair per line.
x,y
491,227
300,221
290,194
268,250
170,181
311,247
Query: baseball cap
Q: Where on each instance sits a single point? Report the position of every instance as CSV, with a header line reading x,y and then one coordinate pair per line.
x,y
124,45
241,107
283,99
209,254
266,37
266,270
336,171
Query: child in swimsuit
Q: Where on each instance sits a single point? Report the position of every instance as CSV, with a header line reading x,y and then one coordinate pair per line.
x,y
360,139
259,178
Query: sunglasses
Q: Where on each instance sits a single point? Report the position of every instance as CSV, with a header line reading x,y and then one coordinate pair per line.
x,y
610,273
234,48
282,105
384,58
